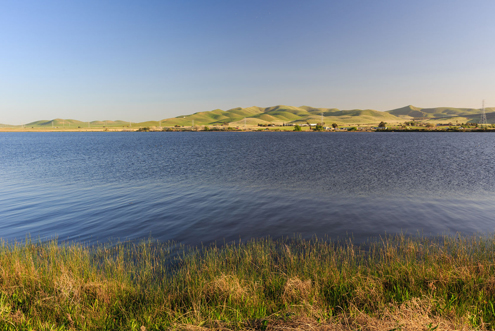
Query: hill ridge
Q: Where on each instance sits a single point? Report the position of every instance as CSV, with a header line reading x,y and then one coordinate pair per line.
x,y
284,114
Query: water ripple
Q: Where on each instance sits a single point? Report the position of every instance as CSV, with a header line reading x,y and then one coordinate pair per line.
x,y
204,187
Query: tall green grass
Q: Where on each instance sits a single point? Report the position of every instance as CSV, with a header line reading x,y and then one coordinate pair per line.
x,y
442,283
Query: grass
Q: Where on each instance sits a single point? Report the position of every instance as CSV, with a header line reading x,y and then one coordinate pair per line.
x,y
397,283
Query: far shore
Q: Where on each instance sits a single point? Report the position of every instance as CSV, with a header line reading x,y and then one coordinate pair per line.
x,y
66,130
274,128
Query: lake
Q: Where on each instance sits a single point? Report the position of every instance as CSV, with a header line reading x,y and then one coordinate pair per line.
x,y
201,187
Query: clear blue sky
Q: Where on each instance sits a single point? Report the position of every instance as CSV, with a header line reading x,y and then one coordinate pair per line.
x,y
150,60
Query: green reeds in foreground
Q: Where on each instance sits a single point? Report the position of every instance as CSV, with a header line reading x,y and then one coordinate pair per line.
x,y
398,283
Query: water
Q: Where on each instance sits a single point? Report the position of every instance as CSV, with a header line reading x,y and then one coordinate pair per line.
x,y
221,186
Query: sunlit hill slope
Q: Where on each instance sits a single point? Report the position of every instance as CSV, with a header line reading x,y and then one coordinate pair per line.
x,y
280,114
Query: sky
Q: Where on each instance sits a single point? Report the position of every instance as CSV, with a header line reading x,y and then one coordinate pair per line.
x,y
151,60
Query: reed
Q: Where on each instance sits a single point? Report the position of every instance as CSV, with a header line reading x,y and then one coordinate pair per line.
x,y
397,282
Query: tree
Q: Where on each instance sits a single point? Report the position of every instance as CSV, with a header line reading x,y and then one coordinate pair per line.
x,y
318,127
382,124
297,128
335,125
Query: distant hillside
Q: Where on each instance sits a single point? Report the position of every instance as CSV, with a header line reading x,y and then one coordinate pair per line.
x,y
407,111
216,116
281,114
58,122
288,114
55,122
490,117
435,113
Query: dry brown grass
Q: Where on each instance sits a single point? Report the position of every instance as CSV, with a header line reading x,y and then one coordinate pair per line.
x,y
369,292
414,315
228,288
297,291
402,284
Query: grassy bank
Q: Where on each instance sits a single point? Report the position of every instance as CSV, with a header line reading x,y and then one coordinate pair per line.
x,y
393,284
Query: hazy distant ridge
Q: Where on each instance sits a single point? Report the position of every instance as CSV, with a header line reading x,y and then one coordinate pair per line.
x,y
68,122
438,112
280,114
303,114
289,114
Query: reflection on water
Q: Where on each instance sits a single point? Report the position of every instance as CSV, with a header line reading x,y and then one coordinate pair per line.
x,y
203,187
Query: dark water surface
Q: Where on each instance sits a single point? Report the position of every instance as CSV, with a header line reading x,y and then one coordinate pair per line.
x,y
202,187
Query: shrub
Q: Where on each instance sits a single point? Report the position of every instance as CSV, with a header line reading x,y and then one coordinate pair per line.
x,y
318,127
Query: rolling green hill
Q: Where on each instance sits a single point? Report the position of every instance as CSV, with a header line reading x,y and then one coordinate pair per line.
x,y
490,118
58,122
281,114
435,113
286,114
407,111
216,116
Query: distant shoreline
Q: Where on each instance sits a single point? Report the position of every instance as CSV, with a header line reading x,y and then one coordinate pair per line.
x,y
273,129
65,130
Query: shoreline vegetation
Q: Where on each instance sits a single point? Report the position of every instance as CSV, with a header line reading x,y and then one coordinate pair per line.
x,y
394,283
381,127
